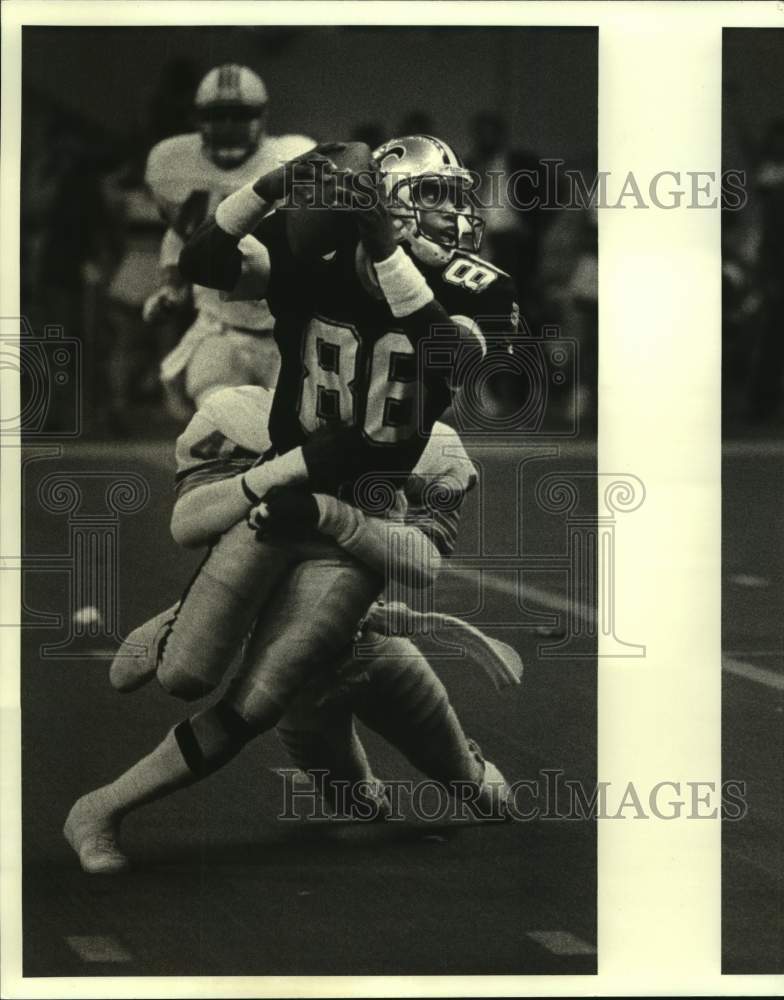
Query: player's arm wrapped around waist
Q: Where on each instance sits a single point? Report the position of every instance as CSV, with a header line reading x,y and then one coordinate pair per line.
x,y
213,497
395,549
211,508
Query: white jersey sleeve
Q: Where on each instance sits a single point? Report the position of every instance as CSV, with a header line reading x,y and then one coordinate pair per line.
x,y
175,169
224,438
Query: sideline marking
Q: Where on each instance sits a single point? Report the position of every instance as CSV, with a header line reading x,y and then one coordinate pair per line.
x,y
760,675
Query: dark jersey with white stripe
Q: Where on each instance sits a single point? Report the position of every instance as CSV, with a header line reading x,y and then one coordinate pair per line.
x,y
346,358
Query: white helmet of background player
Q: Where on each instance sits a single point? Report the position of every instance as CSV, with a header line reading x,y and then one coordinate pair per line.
x,y
429,196
231,104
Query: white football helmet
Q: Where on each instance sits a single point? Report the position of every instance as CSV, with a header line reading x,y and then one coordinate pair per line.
x,y
425,180
231,104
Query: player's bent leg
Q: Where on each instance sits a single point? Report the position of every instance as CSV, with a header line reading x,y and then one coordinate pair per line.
x,y
217,611
136,660
307,627
407,704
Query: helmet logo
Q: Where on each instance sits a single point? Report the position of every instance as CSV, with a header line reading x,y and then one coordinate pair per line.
x,y
397,152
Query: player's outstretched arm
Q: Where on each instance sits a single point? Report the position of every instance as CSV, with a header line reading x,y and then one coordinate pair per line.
x,y
223,253
213,497
213,257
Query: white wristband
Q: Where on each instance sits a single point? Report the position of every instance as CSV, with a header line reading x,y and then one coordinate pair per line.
x,y
404,288
241,212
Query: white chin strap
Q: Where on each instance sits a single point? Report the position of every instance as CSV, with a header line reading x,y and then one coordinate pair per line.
x,y
428,251
424,249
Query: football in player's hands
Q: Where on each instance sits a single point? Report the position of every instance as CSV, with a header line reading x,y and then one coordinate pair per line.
x,y
319,215
289,509
298,174
369,208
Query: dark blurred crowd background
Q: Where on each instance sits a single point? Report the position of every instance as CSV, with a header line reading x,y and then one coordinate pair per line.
x,y
95,101
753,237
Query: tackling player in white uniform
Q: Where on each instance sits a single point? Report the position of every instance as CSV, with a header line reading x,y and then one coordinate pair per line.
x,y
191,646
230,343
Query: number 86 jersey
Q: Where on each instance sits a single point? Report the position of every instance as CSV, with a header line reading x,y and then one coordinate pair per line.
x,y
345,357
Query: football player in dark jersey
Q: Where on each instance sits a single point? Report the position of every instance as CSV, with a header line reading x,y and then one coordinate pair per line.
x,y
350,324
354,325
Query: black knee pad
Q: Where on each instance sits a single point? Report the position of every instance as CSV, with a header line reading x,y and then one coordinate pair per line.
x,y
211,738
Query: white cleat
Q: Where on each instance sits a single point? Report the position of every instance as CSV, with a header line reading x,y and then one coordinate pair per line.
x,y
92,833
494,791
494,795
136,660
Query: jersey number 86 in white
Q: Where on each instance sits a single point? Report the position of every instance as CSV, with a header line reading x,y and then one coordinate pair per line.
x,y
328,388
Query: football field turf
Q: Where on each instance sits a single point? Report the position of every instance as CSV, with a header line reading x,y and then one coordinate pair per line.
x,y
220,885
753,705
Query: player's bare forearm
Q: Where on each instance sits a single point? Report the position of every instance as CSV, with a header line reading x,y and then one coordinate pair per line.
x,y
394,549
208,510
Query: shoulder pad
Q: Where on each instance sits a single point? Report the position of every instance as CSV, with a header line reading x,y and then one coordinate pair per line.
x,y
241,413
171,169
286,147
167,156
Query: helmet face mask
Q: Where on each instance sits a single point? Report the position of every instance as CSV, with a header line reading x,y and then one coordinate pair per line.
x,y
429,197
231,133
231,110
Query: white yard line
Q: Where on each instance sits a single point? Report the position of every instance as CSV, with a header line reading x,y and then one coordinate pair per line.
x,y
759,675
562,943
555,602
98,949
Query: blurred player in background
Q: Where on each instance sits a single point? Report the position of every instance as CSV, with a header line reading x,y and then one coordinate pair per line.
x,y
189,175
